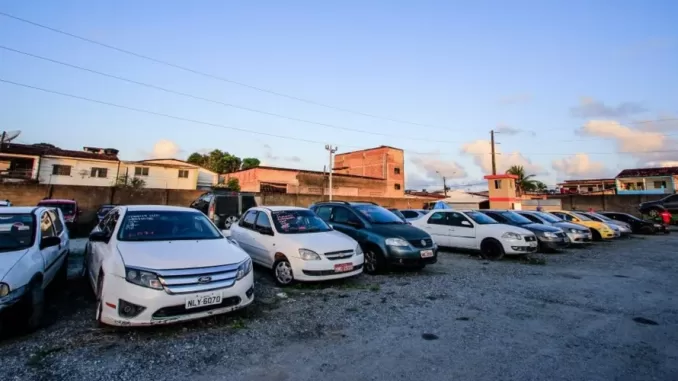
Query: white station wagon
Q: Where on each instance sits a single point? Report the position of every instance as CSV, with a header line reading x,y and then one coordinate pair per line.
x,y
297,245
152,264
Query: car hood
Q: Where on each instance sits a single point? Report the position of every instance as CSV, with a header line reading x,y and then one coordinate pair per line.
x,y
322,242
500,229
404,231
570,225
8,259
540,228
167,255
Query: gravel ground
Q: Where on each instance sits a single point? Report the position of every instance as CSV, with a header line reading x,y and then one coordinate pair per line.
x,y
600,313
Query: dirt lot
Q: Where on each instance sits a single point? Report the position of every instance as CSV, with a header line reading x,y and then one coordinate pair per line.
x,y
602,313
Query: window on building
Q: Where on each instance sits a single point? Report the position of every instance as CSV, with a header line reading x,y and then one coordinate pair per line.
x,y
659,184
140,171
396,186
98,172
183,173
396,171
61,170
497,184
640,185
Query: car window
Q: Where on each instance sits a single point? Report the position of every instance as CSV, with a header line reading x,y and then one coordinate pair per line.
x,y
438,218
582,216
110,222
673,198
456,219
531,218
104,210
67,208
46,226
497,217
156,225
564,216
378,215
409,213
263,221
481,218
324,212
17,231
248,219
342,215
549,217
298,222
58,226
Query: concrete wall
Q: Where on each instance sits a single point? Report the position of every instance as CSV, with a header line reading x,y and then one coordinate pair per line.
x,y
617,203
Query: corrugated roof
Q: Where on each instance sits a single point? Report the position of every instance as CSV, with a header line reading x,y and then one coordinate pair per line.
x,y
50,150
648,172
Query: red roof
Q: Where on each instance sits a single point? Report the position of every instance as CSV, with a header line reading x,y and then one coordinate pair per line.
x,y
50,150
56,201
648,172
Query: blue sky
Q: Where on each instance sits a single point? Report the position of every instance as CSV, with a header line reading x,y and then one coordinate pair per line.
x,y
464,67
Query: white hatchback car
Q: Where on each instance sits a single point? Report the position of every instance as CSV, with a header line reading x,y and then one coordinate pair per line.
x,y
151,264
33,255
473,230
297,245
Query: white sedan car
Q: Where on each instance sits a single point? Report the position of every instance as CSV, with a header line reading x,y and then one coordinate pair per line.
x,y
473,230
161,264
297,245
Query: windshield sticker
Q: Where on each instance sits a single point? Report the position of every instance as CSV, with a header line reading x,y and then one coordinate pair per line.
x,y
284,218
143,217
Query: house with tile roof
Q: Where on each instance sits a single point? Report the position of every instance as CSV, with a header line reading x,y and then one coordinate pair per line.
x,y
643,181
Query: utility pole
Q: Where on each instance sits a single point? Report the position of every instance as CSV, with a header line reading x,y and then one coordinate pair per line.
x,y
332,150
444,182
494,161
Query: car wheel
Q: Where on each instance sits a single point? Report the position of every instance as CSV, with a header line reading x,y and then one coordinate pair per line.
x,y
595,234
374,262
491,250
654,213
282,271
35,305
100,302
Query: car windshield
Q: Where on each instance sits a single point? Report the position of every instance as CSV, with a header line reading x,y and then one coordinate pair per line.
x,y
604,218
397,213
154,225
298,221
516,218
16,231
67,208
104,209
481,218
378,215
549,217
581,216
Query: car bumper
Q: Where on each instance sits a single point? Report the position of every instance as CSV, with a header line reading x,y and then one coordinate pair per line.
x,y
554,244
164,308
580,238
519,247
411,256
14,297
324,269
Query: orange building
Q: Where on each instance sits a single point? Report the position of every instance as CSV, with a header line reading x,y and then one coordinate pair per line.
x,y
376,172
502,191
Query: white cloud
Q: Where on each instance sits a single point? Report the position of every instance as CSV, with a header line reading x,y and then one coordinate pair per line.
x,y
592,108
429,170
669,163
508,130
579,166
480,150
165,149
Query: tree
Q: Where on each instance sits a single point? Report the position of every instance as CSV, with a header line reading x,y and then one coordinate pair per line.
x,y
249,162
541,186
124,181
197,159
233,184
524,183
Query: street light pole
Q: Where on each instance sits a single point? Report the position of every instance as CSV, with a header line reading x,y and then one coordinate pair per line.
x,y
332,150
444,183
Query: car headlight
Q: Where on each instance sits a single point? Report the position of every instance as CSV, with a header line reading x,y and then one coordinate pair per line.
x,y
244,268
358,250
396,242
143,278
232,241
575,231
4,290
550,235
511,235
308,255
658,225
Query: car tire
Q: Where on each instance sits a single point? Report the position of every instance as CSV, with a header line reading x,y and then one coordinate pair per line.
x,y
35,306
595,235
653,212
491,250
282,273
374,262
99,302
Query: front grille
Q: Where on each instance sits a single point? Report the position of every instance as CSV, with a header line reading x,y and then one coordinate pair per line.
x,y
334,255
428,242
181,309
197,279
530,238
328,272
560,235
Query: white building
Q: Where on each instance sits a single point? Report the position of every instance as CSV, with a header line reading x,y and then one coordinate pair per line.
x,y
206,178
161,175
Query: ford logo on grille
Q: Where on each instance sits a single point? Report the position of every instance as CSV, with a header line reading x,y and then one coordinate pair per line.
x,y
204,279
423,242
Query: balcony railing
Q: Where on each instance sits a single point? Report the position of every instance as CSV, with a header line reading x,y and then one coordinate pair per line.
x,y
25,174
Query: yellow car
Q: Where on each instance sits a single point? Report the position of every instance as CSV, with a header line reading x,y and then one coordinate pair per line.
x,y
598,229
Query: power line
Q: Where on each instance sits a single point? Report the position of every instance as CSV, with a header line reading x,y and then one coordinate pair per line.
x,y
212,76
213,100
266,133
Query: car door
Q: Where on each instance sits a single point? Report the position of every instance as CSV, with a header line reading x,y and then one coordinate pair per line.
x,y
437,227
50,255
99,251
244,234
462,231
345,221
263,240
671,204
60,227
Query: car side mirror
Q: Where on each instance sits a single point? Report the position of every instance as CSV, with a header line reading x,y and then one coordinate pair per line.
x,y
49,242
466,223
575,220
99,237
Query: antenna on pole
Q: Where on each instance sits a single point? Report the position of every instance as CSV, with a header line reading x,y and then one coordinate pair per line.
x,y
8,136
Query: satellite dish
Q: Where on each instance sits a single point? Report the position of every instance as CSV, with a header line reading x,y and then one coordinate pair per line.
x,y
8,136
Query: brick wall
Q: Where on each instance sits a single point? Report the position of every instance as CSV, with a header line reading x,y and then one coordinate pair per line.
x,y
617,203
